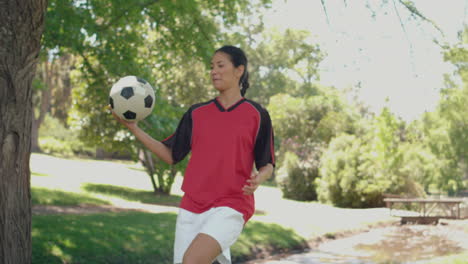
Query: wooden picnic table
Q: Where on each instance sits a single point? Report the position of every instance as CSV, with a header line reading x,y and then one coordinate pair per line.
x,y
449,206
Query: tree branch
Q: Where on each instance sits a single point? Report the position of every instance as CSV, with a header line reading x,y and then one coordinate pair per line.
x,y
97,77
325,10
406,33
412,8
115,19
196,21
402,25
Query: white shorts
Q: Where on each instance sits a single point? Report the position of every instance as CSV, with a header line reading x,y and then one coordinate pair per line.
x,y
224,224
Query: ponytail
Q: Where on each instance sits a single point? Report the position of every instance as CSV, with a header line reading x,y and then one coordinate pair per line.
x,y
244,81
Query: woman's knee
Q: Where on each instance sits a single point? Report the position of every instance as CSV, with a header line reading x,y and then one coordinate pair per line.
x,y
202,250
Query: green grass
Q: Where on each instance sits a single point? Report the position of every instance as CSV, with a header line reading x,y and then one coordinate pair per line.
x,y
130,237
258,236
126,237
134,237
46,196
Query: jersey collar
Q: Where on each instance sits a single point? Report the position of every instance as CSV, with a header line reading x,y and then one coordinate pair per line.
x,y
221,107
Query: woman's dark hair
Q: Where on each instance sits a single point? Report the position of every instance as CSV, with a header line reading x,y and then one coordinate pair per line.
x,y
238,58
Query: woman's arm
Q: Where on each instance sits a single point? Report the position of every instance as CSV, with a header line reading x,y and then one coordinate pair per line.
x,y
158,148
258,178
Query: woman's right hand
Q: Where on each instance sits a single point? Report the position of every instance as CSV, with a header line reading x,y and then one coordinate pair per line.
x,y
128,124
158,148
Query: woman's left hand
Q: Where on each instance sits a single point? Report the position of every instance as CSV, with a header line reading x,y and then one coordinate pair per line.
x,y
252,184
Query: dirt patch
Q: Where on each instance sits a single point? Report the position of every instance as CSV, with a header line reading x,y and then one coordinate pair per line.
x,y
95,209
78,209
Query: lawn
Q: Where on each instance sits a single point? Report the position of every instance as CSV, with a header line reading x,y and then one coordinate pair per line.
x,y
142,230
133,237
127,237
144,236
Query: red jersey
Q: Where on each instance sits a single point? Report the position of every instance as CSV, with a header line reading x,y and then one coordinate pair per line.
x,y
225,144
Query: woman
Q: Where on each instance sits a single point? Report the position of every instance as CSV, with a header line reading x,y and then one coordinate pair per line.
x,y
226,136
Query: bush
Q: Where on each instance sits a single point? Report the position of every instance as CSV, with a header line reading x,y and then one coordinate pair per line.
x,y
304,126
341,182
55,138
51,145
296,178
353,176
422,168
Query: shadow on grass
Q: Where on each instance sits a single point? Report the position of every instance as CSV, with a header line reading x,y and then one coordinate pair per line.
x,y
130,237
133,194
46,196
137,237
259,239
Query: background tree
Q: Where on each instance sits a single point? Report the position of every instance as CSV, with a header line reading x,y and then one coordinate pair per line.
x,y
279,62
357,170
304,126
21,26
391,165
168,43
109,39
444,130
185,84
453,105
284,77
427,156
51,92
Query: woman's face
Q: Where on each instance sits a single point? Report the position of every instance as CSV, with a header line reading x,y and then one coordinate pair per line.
x,y
223,73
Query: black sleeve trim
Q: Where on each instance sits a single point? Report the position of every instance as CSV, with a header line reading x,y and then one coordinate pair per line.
x,y
180,141
264,145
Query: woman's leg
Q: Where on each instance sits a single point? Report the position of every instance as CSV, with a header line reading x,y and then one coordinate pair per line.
x,y
203,250
187,228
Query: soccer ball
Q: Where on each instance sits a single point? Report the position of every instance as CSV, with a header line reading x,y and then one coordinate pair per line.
x,y
132,98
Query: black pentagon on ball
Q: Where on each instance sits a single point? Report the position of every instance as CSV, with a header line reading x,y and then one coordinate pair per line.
x,y
143,81
129,115
148,101
127,92
111,102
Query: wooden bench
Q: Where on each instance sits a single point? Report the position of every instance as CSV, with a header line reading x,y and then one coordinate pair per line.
x,y
426,208
423,220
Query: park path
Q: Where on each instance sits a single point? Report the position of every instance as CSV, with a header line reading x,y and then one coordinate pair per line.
x,y
409,244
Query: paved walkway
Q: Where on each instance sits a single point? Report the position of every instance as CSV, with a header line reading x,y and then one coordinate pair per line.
x,y
409,244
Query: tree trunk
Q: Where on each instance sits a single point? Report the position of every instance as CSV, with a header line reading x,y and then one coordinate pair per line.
x,y
21,26
146,160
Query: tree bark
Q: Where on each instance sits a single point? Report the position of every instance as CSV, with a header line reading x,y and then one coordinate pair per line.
x,y
21,26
